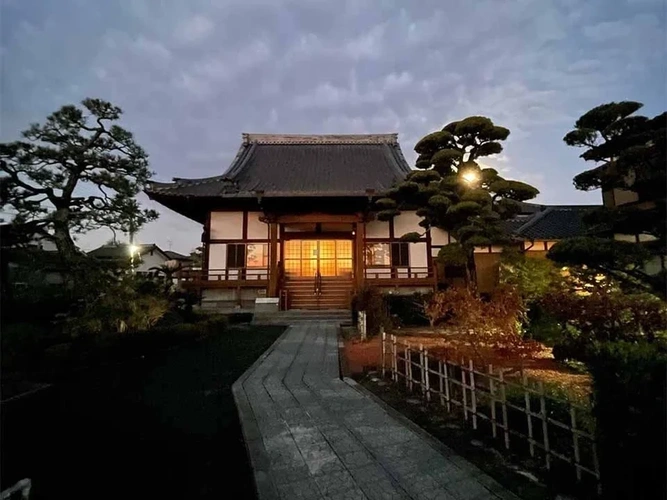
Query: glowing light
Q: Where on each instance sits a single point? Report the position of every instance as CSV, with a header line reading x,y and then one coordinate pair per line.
x,y
470,176
133,249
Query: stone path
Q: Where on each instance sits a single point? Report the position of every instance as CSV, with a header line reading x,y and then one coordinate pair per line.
x,y
312,435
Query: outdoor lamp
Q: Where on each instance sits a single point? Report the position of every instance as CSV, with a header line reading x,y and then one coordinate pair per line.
x,y
470,176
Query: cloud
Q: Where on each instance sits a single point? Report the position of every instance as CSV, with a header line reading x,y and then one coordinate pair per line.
x,y
196,74
194,29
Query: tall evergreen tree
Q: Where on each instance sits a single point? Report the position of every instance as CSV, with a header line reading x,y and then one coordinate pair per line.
x,y
451,191
630,152
45,176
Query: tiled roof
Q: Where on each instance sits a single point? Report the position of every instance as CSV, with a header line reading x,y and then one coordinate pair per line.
x,y
552,223
176,256
121,251
301,165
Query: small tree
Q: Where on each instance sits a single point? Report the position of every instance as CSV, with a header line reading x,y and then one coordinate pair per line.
x,y
451,191
630,151
76,172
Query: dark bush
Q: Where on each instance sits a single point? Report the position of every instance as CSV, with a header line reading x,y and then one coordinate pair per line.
x,y
575,347
370,300
630,404
408,310
236,318
217,324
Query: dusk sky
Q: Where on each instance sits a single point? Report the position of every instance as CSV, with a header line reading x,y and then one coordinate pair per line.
x,y
191,76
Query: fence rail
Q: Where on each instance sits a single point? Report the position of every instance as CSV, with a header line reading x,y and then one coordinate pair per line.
x,y
483,396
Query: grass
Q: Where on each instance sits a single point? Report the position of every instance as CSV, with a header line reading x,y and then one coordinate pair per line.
x,y
160,427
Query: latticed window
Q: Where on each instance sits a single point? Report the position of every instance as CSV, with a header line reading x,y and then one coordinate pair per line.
x,y
236,255
388,254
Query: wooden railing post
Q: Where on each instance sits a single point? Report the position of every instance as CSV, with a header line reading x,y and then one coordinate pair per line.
x,y
408,368
545,425
575,442
427,380
492,395
394,358
473,394
384,340
529,417
465,391
503,395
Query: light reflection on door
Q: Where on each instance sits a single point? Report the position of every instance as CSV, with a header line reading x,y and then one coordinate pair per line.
x,y
305,257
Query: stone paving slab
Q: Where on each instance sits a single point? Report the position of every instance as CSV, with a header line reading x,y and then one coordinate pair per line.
x,y
312,435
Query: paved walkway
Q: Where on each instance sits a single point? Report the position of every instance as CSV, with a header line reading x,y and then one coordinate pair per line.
x,y
312,435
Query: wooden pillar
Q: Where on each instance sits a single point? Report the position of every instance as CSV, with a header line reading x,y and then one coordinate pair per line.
x,y
273,259
359,237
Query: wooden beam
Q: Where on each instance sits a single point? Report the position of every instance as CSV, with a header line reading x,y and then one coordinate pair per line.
x,y
359,264
316,217
273,259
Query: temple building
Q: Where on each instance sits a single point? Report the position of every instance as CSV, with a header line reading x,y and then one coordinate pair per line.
x,y
293,217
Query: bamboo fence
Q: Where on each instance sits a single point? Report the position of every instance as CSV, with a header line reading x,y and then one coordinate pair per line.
x,y
482,396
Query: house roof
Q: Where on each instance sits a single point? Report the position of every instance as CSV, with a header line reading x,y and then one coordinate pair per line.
x,y
176,256
552,223
274,165
122,251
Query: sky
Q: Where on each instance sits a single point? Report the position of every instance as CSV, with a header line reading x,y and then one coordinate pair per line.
x,y
191,76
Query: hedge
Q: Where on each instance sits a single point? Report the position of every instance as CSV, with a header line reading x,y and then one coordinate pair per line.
x,y
630,405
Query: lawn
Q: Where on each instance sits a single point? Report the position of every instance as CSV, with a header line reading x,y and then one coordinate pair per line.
x,y
160,427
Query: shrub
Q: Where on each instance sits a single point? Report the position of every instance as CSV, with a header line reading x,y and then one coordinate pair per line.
x,y
495,322
123,306
408,310
630,404
217,324
370,300
602,316
20,342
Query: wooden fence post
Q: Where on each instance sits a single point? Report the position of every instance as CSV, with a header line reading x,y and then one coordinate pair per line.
x,y
545,425
463,387
421,370
473,394
394,358
503,395
427,378
440,383
445,366
492,394
575,441
408,368
529,418
384,339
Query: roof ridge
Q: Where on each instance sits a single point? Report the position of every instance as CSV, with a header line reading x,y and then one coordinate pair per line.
x,y
314,139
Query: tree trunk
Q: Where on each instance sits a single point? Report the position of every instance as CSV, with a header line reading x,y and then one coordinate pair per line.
x,y
471,270
63,240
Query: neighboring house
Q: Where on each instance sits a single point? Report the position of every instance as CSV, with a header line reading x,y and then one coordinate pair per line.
x,y
627,198
28,260
183,261
293,217
536,229
147,257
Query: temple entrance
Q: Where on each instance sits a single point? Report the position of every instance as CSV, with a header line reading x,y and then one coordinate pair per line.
x,y
318,273
307,258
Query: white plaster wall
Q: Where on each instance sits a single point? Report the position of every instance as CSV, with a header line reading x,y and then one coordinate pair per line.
x,y
256,228
377,229
226,226
439,237
147,261
217,257
419,258
625,237
407,222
